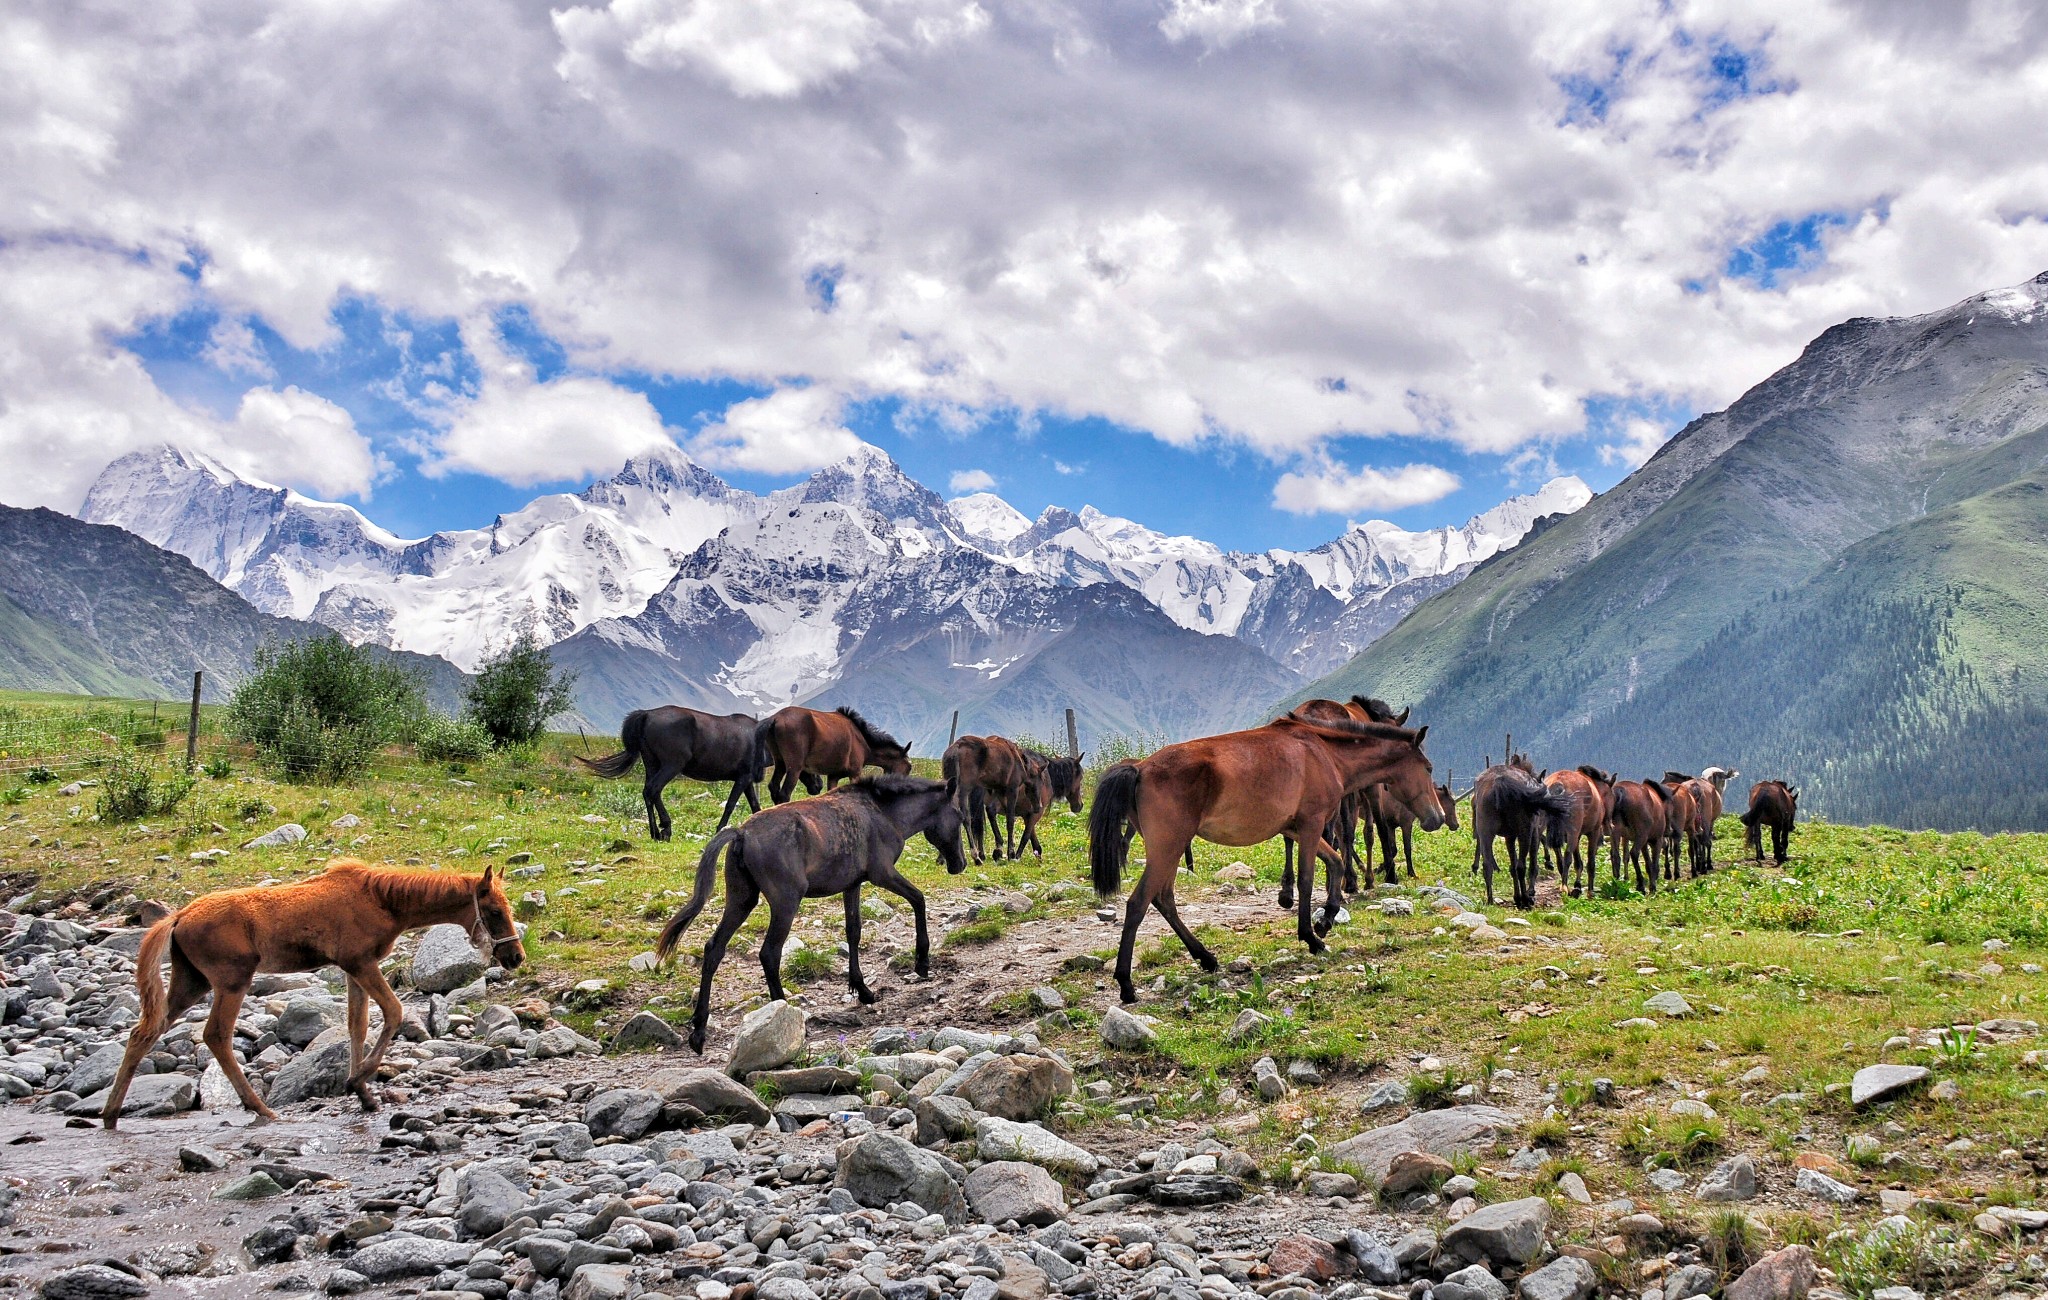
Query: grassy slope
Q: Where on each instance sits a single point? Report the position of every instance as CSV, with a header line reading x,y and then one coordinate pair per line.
x,y
45,655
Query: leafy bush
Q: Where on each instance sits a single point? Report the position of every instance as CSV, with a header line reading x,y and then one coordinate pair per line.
x,y
220,769
517,690
452,740
320,709
131,790
149,737
13,795
39,775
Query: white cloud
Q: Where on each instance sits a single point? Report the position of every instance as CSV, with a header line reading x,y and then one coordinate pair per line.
x,y
1217,23
789,431
970,480
300,438
1638,442
1336,490
755,49
233,349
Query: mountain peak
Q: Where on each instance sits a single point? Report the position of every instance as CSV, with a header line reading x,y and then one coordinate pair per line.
x,y
987,516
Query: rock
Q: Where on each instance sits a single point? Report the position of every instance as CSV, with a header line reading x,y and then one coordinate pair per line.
x,y
1047,998
1640,1226
1574,1188
408,1256
1695,1109
770,1036
599,1282
303,1019
1875,1083
828,1079
1127,1032
711,1092
1309,1257
273,1243
92,1282
488,1202
1248,1025
1508,1232
943,1119
1001,1139
643,1031
1689,1280
202,1160
148,1094
250,1187
1473,1282
1397,907
1565,1278
1786,1274
96,1072
1817,1184
622,1112
1266,1077
1734,1179
216,1094
1384,1095
289,833
1018,1086
444,960
319,1071
1002,1190
1668,1004
1414,1171
1824,1163
1326,1184
1446,1133
881,1169
1198,1189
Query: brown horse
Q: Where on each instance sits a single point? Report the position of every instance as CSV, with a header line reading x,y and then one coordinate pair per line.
x,y
1579,858
820,847
1051,779
823,749
1359,809
1390,815
1243,788
989,773
1773,805
347,916
1707,792
1510,803
1635,831
1681,813
673,741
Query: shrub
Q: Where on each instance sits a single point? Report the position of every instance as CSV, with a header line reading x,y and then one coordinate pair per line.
x,y
452,740
320,709
220,769
13,795
517,690
39,775
131,790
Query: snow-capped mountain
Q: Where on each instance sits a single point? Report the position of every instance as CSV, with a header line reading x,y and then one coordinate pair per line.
x,y
664,581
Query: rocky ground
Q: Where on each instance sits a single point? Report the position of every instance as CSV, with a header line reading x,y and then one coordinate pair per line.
x,y
883,1154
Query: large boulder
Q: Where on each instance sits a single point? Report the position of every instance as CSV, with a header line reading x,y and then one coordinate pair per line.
x,y
622,1112
1018,1086
881,1169
96,1072
1445,1133
303,1019
1002,1139
150,1094
405,1256
770,1036
711,1092
489,1200
319,1071
1002,1190
1510,1232
444,960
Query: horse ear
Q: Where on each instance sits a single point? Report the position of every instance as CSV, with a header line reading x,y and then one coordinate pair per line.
x,y
1402,721
1420,733
1078,757
487,876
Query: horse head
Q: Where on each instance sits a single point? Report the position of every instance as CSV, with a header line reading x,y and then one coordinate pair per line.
x,y
1413,782
493,930
943,833
1449,803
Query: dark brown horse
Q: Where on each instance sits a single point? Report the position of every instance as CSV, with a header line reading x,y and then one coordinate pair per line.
x,y
1706,792
815,849
1243,788
1509,803
1390,816
347,916
1635,831
1359,809
989,774
1773,806
1050,780
1679,816
1584,826
672,741
823,749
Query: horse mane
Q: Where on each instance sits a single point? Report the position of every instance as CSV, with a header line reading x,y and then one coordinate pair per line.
x,y
890,786
875,736
1656,787
1677,778
403,889
1353,729
1595,774
1375,708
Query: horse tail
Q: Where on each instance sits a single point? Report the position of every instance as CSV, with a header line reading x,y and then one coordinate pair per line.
x,y
707,871
632,734
149,975
764,733
1116,796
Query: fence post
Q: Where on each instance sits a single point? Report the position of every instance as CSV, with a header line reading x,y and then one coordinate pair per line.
x,y
192,726
953,732
1073,737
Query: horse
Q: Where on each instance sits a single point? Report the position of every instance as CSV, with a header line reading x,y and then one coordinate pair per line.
x,y
1359,807
1773,805
829,845
1579,859
1242,788
1704,792
988,772
672,741
1390,815
1508,802
823,749
1635,829
1680,814
1049,779
348,916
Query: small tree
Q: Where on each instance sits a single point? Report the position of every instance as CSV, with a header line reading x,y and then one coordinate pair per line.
x,y
320,709
517,690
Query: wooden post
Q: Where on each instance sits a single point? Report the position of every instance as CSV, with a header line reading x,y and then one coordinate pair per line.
x,y
953,732
192,726
1073,737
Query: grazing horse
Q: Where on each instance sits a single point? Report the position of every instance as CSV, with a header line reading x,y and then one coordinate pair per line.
x,y
1508,802
1635,830
823,749
1359,809
1048,780
1578,861
348,916
1390,815
672,741
1773,805
1285,778
989,773
815,849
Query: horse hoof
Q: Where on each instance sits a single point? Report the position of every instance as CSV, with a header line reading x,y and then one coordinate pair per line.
x,y
1317,947
1128,995
866,996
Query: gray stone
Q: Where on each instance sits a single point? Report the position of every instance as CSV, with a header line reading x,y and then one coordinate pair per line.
x,y
96,1072
445,960
768,1037
560,1040
1001,1139
1127,1032
303,1019
1473,1282
1668,1004
93,1282
1817,1184
1734,1179
250,1187
1446,1133
1018,1086
1384,1095
1667,1180
1508,1232
1565,1278
289,833
319,1071
202,1160
1689,1280
943,1119
1376,1261
1324,1183
408,1256
1786,1274
1002,1190
711,1092
1248,1025
1266,1077
599,1282
149,1094
489,1201
1875,1083
881,1169
622,1112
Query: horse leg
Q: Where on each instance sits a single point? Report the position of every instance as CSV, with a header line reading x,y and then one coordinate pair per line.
x,y
1203,957
740,897
1287,875
187,987
1407,851
1308,851
1162,859
781,916
659,824
732,801
219,1036
853,979
1333,863
371,980
814,784
889,878
1346,822
358,1025
1488,865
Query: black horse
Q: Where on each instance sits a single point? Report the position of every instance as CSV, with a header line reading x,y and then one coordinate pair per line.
x,y
1509,802
673,741
816,848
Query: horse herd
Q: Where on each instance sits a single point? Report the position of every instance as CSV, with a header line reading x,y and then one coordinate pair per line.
x,y
1316,776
